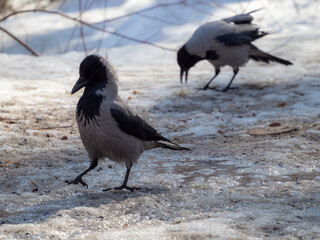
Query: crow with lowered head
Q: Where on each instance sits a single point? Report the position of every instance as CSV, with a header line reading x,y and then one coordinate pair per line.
x,y
227,42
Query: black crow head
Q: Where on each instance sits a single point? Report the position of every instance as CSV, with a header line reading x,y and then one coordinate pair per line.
x,y
186,61
93,72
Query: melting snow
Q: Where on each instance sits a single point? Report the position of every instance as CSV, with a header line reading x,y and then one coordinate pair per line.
x,y
242,180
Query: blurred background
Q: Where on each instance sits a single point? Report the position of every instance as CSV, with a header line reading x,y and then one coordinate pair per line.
x,y
59,26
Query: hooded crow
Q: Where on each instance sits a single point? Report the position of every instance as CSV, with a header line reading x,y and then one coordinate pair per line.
x,y
227,42
107,126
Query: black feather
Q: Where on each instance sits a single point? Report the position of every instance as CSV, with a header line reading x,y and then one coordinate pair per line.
x,y
267,58
245,37
258,55
254,34
244,18
94,67
89,106
231,39
185,59
240,19
135,126
211,55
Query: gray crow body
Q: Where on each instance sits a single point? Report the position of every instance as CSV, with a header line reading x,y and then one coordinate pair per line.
x,y
227,42
107,126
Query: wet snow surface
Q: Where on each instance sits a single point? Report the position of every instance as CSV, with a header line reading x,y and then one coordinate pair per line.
x,y
243,178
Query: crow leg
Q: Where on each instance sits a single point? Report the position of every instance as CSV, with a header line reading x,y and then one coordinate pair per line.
x,y
78,179
124,184
207,85
235,71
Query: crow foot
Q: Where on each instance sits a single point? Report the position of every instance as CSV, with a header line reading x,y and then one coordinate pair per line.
x,y
227,88
131,189
206,88
76,181
215,89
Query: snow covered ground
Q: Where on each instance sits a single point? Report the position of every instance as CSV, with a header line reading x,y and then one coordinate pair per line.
x,y
242,180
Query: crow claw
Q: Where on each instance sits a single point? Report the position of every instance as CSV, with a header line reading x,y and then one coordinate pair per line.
x,y
226,89
131,189
76,181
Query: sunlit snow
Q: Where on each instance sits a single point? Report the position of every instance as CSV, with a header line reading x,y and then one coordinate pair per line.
x,y
242,180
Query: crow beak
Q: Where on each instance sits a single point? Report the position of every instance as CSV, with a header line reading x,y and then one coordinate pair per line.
x,y
79,84
181,75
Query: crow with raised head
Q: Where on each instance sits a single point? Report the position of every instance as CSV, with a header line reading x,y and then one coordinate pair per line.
x,y
107,126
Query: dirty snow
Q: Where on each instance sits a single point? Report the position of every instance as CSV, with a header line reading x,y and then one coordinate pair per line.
x,y
242,180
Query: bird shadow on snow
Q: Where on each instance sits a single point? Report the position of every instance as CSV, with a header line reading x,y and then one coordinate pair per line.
x,y
261,96
44,210
258,97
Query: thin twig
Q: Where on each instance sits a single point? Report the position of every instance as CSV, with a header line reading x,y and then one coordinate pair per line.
x,y
141,11
81,30
158,19
99,42
70,38
90,26
283,44
284,131
198,10
154,34
34,53
296,6
215,4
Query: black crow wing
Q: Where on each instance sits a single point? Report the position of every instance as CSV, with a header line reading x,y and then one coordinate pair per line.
x,y
134,125
244,18
240,19
245,37
232,39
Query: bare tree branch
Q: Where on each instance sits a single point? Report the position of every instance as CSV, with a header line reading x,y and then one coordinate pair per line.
x,y
34,53
99,42
143,10
157,19
81,30
70,38
296,6
197,9
88,25
215,4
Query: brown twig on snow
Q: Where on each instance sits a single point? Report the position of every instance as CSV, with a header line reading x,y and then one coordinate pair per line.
x,y
275,133
2,119
26,46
